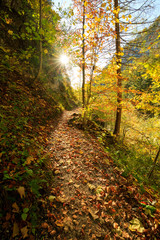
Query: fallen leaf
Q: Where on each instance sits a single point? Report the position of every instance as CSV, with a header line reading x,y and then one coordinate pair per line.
x,y
62,199
136,225
24,232
15,207
125,234
93,214
15,230
21,191
57,172
44,225
53,232
8,216
59,223
29,160
51,198
67,221
91,186
106,160
115,225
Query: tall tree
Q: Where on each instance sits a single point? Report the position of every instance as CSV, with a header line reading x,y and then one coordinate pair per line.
x,y
40,41
83,54
119,76
95,31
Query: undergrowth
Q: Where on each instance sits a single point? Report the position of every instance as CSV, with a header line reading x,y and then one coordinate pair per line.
x,y
28,114
136,163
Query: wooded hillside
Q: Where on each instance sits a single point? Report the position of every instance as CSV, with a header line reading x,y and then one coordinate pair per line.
x,y
29,107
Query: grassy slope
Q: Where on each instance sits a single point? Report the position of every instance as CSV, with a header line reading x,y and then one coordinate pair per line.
x,y
28,114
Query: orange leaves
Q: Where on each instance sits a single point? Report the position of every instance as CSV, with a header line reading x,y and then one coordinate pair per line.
x,y
15,208
44,225
29,160
21,191
97,19
15,230
103,5
24,232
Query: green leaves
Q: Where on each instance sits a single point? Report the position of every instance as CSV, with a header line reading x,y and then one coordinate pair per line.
x,y
24,215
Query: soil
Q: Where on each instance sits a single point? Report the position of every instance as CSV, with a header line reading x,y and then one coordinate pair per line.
x,y
89,197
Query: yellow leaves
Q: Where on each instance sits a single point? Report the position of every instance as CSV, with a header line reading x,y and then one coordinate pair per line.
x,y
136,225
97,19
45,51
51,198
85,26
10,32
15,230
127,17
92,25
15,207
21,191
89,15
84,35
103,5
126,29
8,21
116,11
117,20
29,160
85,4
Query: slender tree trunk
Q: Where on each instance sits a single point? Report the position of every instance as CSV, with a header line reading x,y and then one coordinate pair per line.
x,y
154,163
40,43
119,77
90,84
83,58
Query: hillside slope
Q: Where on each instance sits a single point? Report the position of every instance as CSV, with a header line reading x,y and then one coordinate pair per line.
x,y
29,110
142,44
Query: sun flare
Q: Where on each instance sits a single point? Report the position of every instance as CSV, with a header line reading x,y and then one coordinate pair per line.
x,y
64,59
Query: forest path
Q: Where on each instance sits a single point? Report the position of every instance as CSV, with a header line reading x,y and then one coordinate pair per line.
x,y
89,198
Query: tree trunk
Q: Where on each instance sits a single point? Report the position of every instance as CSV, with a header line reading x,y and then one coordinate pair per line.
x,y
154,163
83,58
90,84
40,43
119,77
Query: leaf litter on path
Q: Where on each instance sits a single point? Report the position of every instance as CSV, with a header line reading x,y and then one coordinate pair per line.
x,y
89,198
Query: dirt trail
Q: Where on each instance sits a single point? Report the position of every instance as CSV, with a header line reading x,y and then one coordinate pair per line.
x,y
89,198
